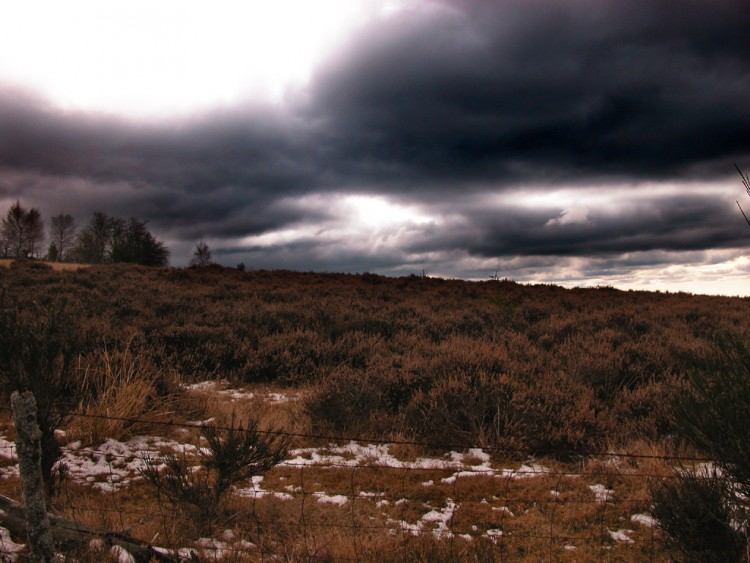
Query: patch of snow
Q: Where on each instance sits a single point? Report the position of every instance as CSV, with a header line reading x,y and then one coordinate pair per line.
x,y
570,548
602,493
7,449
9,548
643,519
339,500
218,549
205,386
121,554
437,518
494,534
280,398
9,472
504,510
621,536
356,454
256,491
220,388
479,454
200,422
113,465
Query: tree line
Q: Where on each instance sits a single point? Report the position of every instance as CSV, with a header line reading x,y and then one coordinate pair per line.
x,y
104,239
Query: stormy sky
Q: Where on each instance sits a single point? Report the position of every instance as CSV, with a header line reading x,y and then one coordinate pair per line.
x,y
578,142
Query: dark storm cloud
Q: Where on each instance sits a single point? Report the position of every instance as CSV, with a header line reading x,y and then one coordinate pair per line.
x,y
223,174
514,90
429,106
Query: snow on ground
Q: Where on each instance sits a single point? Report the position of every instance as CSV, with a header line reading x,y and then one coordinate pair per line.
x,y
602,493
644,520
113,465
436,520
355,454
7,449
222,389
212,549
256,491
8,548
621,536
339,500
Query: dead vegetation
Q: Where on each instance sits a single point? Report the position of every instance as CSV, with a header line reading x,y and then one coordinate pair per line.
x,y
531,374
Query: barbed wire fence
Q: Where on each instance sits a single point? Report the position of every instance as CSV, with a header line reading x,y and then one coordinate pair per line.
x,y
356,507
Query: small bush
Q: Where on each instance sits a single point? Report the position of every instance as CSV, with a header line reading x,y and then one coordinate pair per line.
x,y
705,515
551,415
349,401
234,454
697,517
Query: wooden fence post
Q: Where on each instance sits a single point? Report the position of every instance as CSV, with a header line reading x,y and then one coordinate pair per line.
x,y
29,450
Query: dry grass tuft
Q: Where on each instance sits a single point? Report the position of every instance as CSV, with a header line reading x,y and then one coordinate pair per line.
x,y
121,388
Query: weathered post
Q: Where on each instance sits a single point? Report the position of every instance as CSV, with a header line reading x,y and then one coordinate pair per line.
x,y
29,450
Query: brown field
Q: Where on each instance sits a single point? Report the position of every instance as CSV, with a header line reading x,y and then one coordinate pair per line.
x,y
57,266
432,419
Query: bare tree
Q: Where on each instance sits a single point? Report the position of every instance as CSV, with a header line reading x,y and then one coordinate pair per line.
x,y
62,232
93,242
22,231
201,254
14,230
34,232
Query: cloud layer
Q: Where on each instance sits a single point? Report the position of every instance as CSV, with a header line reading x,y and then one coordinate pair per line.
x,y
560,140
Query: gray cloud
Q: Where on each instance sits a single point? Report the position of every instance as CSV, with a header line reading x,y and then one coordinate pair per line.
x,y
509,91
444,107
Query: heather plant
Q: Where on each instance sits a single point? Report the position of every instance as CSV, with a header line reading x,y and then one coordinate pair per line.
x,y
704,513
697,520
233,455
401,337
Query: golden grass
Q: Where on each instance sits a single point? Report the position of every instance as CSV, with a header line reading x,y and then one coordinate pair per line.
x,y
120,386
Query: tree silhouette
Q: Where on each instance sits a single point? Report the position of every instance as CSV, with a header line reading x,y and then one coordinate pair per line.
x,y
132,242
201,254
22,230
107,239
62,231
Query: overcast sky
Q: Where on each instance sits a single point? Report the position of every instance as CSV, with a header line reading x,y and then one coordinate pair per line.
x,y
577,142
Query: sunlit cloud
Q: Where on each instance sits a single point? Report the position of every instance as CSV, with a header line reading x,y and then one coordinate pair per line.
x,y
173,56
